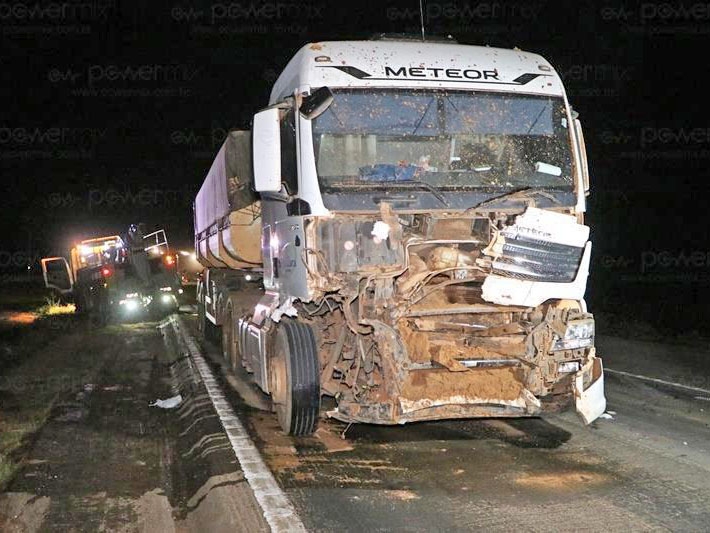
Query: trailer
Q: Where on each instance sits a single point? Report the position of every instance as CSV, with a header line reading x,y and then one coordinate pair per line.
x,y
402,230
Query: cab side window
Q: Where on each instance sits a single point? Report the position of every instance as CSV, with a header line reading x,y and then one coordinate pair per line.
x,y
289,173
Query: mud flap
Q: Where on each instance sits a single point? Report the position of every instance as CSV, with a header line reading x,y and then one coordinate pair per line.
x,y
590,403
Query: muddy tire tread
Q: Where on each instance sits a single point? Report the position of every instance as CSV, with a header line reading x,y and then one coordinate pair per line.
x,y
305,392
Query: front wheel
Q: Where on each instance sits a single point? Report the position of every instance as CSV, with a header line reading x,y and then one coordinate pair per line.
x,y
295,380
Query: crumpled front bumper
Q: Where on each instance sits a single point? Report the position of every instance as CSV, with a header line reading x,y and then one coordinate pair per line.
x,y
590,402
403,411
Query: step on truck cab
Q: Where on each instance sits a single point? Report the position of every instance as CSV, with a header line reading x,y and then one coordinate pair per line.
x,y
403,230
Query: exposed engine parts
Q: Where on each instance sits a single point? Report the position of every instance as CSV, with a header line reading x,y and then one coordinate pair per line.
x,y
418,321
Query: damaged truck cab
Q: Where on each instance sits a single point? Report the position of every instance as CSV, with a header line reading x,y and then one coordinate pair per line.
x,y
422,240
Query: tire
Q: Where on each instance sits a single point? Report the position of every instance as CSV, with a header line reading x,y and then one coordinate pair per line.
x,y
214,333
295,379
210,332
99,310
79,304
228,345
201,320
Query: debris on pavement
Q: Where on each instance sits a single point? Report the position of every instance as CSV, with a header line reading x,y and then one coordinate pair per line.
x,y
169,403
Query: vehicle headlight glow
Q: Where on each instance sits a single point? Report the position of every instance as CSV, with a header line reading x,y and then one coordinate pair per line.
x,y
130,304
568,367
166,298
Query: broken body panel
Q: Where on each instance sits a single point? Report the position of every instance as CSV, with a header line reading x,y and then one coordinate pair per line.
x,y
439,255
427,337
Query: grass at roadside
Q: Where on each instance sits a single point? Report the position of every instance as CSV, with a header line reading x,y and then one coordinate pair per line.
x,y
53,306
15,433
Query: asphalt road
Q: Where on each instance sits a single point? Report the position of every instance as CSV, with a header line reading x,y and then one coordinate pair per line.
x,y
105,459
646,468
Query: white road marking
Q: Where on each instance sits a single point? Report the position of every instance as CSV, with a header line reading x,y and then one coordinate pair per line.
x,y
656,380
211,318
277,509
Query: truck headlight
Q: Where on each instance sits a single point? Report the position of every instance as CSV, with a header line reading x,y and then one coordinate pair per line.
x,y
579,334
129,304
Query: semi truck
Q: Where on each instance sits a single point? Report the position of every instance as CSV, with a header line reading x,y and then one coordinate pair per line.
x,y
117,277
400,237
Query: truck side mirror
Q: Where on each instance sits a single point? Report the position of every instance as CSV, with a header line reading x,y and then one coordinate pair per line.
x,y
267,150
582,155
316,103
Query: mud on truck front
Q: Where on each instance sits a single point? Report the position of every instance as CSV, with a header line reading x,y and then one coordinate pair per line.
x,y
428,316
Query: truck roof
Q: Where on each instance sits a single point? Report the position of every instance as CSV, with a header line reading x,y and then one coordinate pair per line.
x,y
412,64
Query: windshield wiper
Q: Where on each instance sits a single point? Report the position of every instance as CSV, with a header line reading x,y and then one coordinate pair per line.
x,y
537,117
417,183
423,116
423,184
526,192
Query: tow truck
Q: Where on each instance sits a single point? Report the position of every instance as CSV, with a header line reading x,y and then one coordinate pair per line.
x,y
117,277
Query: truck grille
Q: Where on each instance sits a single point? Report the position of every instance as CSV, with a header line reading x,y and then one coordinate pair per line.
x,y
535,260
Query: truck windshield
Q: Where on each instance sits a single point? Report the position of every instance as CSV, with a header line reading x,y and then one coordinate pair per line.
x,y
451,140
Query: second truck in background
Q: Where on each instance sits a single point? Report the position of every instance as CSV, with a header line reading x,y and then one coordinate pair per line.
x,y
117,277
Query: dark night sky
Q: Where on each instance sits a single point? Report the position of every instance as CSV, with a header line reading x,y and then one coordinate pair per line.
x,y
86,145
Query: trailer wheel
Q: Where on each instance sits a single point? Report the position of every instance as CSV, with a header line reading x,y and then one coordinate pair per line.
x,y
228,344
214,333
201,320
210,332
295,382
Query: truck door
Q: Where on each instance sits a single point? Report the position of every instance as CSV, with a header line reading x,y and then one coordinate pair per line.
x,y
57,274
